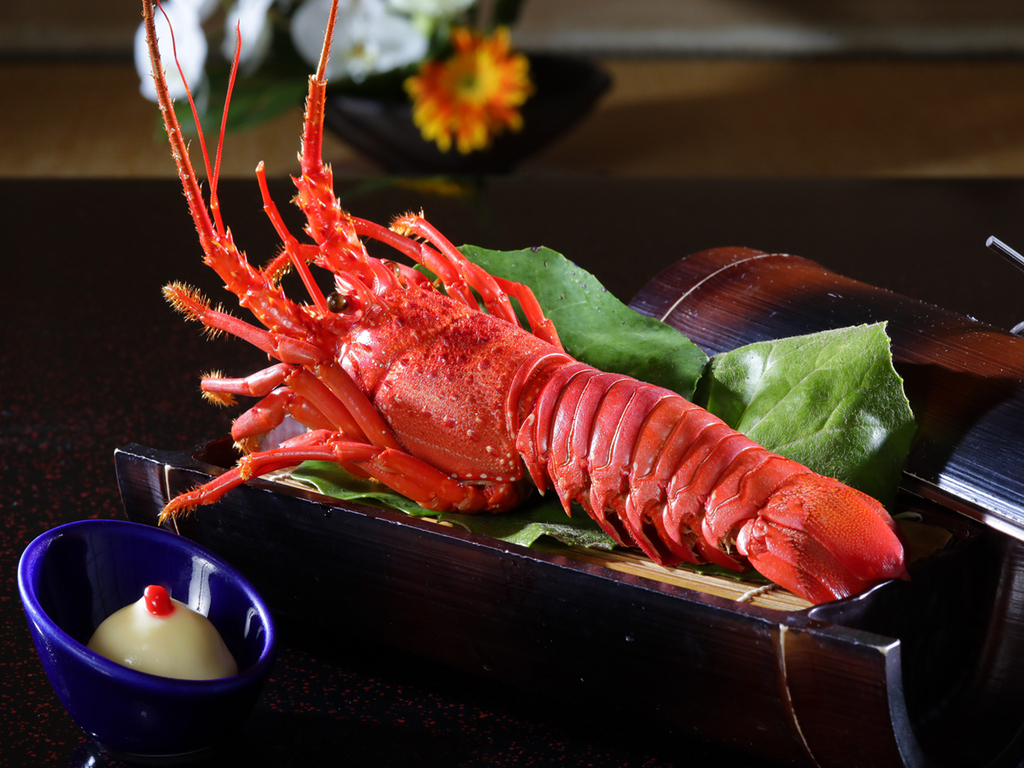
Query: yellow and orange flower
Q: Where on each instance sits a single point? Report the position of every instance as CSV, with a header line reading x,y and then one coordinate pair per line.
x,y
472,96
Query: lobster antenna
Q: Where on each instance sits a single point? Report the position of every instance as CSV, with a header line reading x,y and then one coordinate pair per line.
x,y
313,130
195,116
179,149
1005,251
291,245
214,200
325,52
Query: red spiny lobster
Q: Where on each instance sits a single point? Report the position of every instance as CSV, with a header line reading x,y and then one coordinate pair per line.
x,y
453,406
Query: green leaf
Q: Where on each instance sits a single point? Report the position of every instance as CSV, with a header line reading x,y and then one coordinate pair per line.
x,y
830,400
529,522
594,326
540,516
333,480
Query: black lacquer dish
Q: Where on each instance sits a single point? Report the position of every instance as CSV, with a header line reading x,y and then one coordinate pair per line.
x,y
918,673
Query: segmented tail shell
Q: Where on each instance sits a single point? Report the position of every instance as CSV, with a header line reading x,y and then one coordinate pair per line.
x,y
640,459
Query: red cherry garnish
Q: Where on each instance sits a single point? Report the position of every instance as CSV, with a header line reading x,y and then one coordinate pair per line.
x,y
158,602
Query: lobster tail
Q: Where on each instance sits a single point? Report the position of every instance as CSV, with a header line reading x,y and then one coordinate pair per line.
x,y
822,539
658,472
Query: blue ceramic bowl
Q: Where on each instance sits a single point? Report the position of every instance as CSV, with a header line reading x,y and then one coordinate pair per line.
x,y
74,576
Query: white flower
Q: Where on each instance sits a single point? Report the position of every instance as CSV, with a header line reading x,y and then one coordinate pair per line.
x,y
251,17
367,39
189,41
435,9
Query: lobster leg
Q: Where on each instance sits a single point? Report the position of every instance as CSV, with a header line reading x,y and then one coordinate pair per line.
x,y
318,409
221,390
540,326
398,470
269,413
320,445
291,245
459,275
292,350
424,255
325,410
276,403
434,490
495,300
494,291
284,347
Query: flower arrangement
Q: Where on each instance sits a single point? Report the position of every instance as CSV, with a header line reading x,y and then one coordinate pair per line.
x,y
452,58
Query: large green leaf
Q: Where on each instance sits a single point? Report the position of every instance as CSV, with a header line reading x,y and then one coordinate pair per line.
x,y
593,325
830,400
540,516
333,480
531,521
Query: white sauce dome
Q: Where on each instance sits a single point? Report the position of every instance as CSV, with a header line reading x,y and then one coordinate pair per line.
x,y
182,644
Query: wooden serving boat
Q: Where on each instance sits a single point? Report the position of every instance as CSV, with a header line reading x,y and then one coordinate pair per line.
x,y
920,673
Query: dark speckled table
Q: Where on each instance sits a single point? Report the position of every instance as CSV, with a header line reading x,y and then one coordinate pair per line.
x,y
91,359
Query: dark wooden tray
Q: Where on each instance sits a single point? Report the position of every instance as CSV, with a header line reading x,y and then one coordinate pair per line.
x,y
918,673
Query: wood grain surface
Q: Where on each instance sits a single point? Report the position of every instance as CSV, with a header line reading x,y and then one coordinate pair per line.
x,y
664,117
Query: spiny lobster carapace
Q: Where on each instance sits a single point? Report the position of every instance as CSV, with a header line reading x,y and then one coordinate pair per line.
x,y
455,407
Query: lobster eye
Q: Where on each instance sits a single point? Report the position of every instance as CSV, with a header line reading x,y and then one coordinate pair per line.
x,y
337,302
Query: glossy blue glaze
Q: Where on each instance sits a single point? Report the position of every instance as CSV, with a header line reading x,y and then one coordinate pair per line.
x,y
74,576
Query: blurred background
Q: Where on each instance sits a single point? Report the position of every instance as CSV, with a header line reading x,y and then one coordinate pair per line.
x,y
699,88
